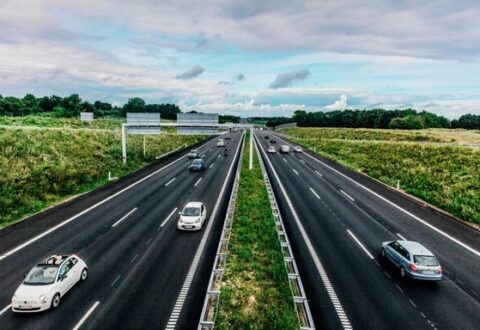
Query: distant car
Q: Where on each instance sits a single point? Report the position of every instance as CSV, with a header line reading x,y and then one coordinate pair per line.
x,y
197,165
220,143
297,149
47,282
192,216
284,149
267,137
413,259
271,150
193,154
273,141
227,137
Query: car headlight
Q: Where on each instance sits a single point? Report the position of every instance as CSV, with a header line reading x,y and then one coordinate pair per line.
x,y
197,220
42,297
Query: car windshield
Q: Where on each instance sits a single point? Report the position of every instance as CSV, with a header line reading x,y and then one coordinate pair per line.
x,y
41,275
197,161
425,260
191,211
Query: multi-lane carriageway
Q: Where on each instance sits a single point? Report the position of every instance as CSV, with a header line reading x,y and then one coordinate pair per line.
x,y
145,274
336,221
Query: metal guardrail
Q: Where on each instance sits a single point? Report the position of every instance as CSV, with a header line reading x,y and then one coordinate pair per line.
x,y
299,298
287,125
212,297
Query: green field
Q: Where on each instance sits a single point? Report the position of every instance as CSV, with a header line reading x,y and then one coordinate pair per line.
x,y
439,166
41,166
255,292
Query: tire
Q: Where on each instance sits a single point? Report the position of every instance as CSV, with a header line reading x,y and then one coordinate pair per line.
x,y
84,275
55,301
403,272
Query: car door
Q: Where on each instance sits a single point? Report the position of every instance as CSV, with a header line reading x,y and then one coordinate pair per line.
x,y
62,283
204,213
67,276
392,252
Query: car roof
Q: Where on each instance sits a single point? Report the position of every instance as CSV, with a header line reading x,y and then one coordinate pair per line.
x,y
55,259
194,204
415,248
197,160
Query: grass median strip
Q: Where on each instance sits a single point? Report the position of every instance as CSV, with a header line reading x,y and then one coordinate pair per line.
x,y
255,293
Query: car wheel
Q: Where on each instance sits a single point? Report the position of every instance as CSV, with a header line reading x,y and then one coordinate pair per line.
x,y
55,300
84,274
403,273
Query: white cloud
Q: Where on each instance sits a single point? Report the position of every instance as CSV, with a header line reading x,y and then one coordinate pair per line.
x,y
340,104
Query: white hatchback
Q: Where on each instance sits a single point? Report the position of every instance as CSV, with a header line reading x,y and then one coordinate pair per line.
x,y
48,282
192,216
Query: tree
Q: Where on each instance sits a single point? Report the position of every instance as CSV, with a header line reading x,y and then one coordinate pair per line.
x,y
134,104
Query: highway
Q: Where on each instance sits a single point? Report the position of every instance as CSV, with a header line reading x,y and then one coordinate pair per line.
x,y
143,272
337,219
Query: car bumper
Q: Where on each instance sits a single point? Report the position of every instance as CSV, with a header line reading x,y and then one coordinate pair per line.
x,y
189,226
423,277
195,169
31,307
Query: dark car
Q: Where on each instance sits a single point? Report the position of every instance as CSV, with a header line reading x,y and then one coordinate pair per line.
x,y
267,137
197,165
273,141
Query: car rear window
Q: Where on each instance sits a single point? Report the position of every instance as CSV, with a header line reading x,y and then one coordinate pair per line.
x,y
425,260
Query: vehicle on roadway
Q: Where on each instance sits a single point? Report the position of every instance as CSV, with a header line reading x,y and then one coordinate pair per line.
x,y
192,216
272,150
267,137
193,154
197,165
220,143
297,149
285,149
413,259
47,282
273,141
228,137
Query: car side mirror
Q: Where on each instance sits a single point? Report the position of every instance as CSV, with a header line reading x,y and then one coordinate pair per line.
x,y
62,277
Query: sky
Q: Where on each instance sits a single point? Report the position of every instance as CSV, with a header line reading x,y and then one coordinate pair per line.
x,y
247,58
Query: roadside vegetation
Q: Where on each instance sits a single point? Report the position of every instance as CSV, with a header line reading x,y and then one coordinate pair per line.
x,y
40,167
255,292
443,174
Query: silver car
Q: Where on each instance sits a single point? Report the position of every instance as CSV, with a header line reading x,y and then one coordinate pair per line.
x,y
413,259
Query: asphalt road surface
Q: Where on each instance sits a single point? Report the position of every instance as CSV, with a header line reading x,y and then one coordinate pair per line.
x,y
143,272
336,221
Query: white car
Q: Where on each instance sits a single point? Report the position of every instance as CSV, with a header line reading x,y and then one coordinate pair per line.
x,y
297,149
220,143
271,149
48,282
193,154
192,216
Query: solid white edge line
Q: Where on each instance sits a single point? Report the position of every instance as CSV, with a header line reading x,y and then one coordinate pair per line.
x,y
360,244
166,184
401,237
169,216
5,309
198,181
314,192
348,196
84,318
124,217
441,232
172,321
45,233
342,316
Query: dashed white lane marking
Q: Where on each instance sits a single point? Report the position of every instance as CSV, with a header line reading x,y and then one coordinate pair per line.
x,y
314,192
148,242
388,275
166,184
172,321
318,173
476,294
342,316
5,309
134,258
403,238
76,216
85,317
399,288
198,181
284,160
360,244
169,216
295,171
211,165
411,302
124,217
348,196
116,280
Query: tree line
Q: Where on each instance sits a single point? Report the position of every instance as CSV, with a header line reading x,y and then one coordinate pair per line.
x,y
72,105
377,118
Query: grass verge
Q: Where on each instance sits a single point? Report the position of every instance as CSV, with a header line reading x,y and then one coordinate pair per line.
x,y
255,293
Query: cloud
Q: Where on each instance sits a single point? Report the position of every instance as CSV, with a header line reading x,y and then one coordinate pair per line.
x,y
239,77
223,82
340,104
193,72
286,79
